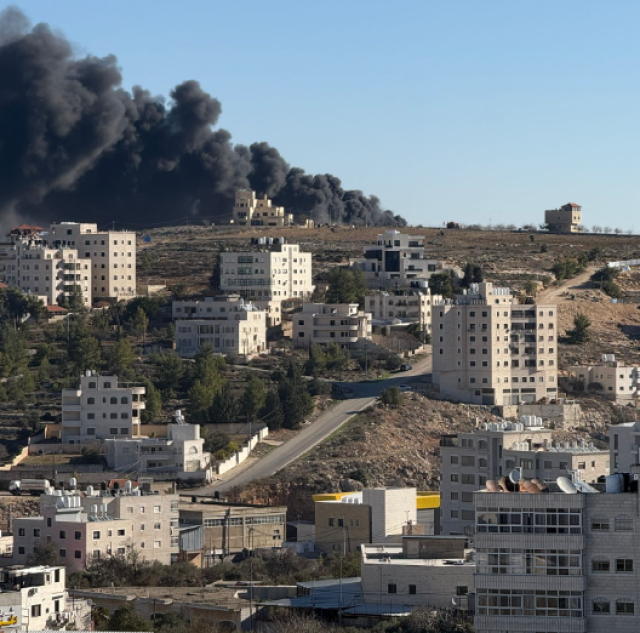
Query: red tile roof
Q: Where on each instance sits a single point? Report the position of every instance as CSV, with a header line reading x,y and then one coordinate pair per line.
x,y
58,309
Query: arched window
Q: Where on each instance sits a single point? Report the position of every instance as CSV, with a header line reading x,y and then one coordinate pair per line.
x,y
193,450
124,400
482,463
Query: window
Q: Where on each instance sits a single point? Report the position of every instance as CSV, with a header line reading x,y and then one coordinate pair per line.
x,y
454,477
391,588
624,565
332,522
63,534
21,532
625,607
96,535
77,535
21,550
468,460
601,606
413,590
62,553
78,554
468,479
623,523
454,459
156,509
462,590
600,566
157,544
36,610
91,400
121,532
36,533
600,525
157,526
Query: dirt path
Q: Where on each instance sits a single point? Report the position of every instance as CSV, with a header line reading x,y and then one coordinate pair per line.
x,y
552,294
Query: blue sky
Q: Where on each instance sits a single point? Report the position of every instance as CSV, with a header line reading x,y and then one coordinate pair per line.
x,y
448,110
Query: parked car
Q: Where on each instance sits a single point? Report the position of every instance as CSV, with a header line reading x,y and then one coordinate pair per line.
x,y
404,387
406,367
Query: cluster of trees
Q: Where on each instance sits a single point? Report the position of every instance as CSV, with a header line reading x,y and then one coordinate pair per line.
x,y
605,278
391,396
569,267
346,285
291,401
448,284
333,358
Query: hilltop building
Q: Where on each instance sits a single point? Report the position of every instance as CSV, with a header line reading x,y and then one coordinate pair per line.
x,y
488,349
610,378
493,450
249,210
566,219
101,408
51,273
324,323
397,260
229,324
275,273
112,255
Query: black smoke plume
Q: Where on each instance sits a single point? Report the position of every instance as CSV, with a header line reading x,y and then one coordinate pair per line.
x,y
75,146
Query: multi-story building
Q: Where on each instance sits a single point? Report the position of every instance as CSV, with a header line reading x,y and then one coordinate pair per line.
x,y
494,450
397,259
230,528
345,521
433,571
53,274
36,598
112,255
566,219
85,528
413,306
624,446
557,562
101,408
325,323
610,378
487,349
181,454
230,325
269,276
249,210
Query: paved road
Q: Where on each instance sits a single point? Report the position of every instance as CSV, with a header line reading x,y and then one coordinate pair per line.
x,y
331,420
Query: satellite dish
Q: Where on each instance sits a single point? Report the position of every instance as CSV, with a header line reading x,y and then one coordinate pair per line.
x,y
455,601
567,486
515,476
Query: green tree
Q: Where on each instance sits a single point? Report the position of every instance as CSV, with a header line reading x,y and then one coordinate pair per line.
x,y
152,401
336,358
472,275
296,401
120,358
580,332
531,288
209,366
391,396
13,304
169,371
346,285
214,441
44,553
127,619
14,350
225,407
36,308
74,301
146,262
200,399
444,284
317,362
272,411
84,353
140,322
254,397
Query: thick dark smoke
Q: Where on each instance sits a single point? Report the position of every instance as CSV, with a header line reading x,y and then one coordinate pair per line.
x,y
75,145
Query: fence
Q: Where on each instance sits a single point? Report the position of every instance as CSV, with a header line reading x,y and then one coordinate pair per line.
x,y
65,449
239,456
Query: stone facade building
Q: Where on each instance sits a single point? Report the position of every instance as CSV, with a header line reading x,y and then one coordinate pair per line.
x,y
249,210
324,323
566,219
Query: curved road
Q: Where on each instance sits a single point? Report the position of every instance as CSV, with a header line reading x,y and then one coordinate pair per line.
x,y
365,394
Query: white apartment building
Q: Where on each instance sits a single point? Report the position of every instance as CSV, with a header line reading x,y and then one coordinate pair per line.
x,y
624,445
269,276
427,571
112,255
557,562
230,325
49,273
249,210
397,259
96,525
101,408
566,219
493,451
181,454
325,323
609,378
388,307
35,598
487,349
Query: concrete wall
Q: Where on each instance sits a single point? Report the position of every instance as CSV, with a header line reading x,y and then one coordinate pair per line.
x,y
239,456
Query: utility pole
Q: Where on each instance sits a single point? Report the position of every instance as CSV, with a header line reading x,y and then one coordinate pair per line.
x,y
366,361
251,578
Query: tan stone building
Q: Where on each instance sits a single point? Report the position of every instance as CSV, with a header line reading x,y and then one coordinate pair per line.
x,y
324,323
610,378
232,527
566,219
249,210
488,349
413,306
